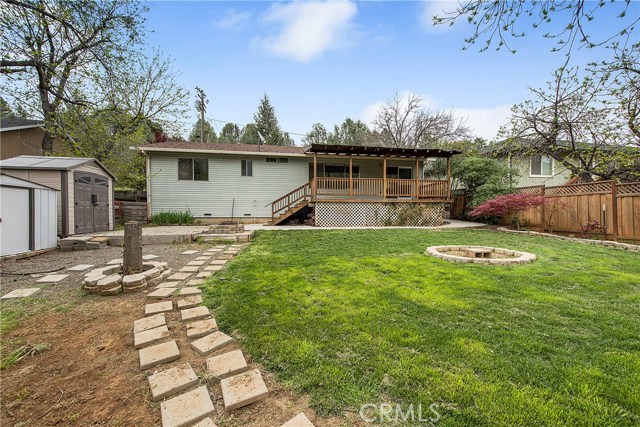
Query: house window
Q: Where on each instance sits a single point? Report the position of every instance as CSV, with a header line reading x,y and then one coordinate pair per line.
x,y
277,160
340,171
399,172
541,166
193,169
246,168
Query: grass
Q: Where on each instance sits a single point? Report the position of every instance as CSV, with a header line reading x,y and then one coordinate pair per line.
x,y
363,316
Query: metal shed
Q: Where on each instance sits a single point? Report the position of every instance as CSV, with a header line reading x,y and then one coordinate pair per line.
x,y
27,216
85,200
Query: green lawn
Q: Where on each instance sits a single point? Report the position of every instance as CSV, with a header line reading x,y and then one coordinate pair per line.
x,y
363,316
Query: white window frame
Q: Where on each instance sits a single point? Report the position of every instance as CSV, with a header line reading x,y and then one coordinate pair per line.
x,y
541,175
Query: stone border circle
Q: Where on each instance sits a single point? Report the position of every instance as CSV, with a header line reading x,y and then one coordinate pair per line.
x,y
515,257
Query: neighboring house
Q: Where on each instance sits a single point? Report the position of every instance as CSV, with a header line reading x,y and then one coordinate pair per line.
x,y
85,198
349,185
22,137
27,216
538,170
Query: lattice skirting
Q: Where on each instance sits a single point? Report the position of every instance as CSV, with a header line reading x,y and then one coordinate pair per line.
x,y
363,214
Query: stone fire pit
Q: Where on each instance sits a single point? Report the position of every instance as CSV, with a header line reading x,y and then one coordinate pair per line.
x,y
109,280
480,254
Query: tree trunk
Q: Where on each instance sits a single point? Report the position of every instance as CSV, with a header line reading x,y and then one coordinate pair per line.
x,y
132,257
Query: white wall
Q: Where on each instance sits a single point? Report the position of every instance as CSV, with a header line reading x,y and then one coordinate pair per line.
x,y
14,227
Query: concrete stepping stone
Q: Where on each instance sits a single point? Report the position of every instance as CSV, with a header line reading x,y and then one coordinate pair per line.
x,y
189,302
20,293
213,268
189,253
149,257
149,322
80,267
218,262
172,381
179,276
195,282
162,292
227,364
212,342
243,389
52,278
189,269
299,420
115,261
186,409
189,291
150,336
207,422
168,285
203,257
201,328
196,263
204,274
158,354
195,313
158,307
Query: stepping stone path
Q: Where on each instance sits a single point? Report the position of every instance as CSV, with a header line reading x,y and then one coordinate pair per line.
x,y
184,402
20,293
299,420
158,354
81,267
115,261
52,278
243,389
149,257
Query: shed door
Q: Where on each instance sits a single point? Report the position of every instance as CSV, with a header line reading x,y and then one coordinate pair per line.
x,y
91,203
14,223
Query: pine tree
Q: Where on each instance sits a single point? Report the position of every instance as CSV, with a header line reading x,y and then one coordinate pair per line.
x,y
209,132
230,134
5,110
267,124
249,134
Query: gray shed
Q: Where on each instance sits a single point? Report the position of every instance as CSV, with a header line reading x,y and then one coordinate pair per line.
x,y
85,200
27,216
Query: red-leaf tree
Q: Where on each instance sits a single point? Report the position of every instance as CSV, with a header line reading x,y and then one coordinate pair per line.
x,y
506,205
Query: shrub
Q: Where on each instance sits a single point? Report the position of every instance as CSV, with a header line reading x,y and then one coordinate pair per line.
x,y
593,228
500,206
172,218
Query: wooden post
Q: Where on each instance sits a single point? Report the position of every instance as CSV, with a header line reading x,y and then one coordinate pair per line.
x,y
614,210
132,257
314,185
544,211
448,178
416,189
384,177
350,176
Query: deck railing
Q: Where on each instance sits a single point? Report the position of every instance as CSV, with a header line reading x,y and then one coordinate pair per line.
x,y
375,188
290,199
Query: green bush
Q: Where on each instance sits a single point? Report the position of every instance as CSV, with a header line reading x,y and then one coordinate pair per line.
x,y
172,218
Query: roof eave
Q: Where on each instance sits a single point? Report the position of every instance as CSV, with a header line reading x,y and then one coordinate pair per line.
x,y
200,151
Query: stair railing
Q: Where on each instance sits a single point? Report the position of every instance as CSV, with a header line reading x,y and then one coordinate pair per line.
x,y
290,199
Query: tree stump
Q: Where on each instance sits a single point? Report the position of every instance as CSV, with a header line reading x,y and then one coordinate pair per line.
x,y
132,257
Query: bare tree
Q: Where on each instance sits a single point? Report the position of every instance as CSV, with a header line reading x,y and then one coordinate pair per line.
x,y
404,122
51,48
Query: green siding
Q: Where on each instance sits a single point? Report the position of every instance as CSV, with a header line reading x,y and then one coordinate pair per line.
x,y
560,174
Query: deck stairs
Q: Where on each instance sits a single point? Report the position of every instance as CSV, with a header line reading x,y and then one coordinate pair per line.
x,y
289,204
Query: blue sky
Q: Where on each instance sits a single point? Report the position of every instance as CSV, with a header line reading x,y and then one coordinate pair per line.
x,y
323,62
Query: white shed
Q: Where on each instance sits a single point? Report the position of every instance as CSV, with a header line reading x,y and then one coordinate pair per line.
x,y
27,216
85,201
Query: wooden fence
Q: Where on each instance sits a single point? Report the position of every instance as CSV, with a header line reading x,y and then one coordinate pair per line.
x,y
615,206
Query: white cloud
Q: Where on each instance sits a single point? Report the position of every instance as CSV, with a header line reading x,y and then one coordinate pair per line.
x,y
233,20
305,30
483,122
429,9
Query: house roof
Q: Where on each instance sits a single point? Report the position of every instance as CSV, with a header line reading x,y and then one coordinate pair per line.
x,y
358,150
7,124
49,163
212,147
12,181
